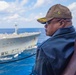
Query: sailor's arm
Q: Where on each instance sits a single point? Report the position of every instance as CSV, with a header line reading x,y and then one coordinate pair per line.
x,y
71,67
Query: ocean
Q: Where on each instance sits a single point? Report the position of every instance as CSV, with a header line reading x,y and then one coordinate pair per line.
x,y
22,64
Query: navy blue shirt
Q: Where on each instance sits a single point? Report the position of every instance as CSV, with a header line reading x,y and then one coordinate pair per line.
x,y
54,54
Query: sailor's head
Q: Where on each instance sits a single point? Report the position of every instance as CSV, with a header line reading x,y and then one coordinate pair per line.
x,y
58,16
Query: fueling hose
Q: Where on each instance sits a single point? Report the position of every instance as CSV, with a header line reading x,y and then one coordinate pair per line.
x,y
18,59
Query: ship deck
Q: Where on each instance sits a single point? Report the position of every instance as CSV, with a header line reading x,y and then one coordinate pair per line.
x,y
14,35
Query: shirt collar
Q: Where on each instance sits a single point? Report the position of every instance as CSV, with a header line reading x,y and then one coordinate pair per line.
x,y
64,30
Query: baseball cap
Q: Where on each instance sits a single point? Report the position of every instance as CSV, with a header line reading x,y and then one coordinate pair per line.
x,y
56,11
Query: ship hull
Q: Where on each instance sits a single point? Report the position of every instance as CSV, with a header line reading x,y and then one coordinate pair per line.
x,y
17,45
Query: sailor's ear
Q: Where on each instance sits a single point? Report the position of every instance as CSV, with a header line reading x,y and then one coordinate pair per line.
x,y
62,24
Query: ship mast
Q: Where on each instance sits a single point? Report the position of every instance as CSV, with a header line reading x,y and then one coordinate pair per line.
x,y
16,28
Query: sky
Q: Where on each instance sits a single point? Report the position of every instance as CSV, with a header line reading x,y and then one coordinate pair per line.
x,y
25,13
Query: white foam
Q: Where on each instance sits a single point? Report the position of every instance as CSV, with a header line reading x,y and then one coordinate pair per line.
x,y
16,55
6,58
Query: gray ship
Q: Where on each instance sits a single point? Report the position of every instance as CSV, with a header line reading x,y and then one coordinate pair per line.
x,y
16,43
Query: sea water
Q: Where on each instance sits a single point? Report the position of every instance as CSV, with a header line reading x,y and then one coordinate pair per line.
x,y
21,64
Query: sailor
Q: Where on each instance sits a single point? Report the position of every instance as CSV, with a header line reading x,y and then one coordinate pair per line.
x,y
54,54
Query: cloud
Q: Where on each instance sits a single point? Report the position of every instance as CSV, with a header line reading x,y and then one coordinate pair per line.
x,y
23,2
10,18
16,1
72,7
15,7
38,16
19,11
31,17
14,12
40,3
15,16
3,5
